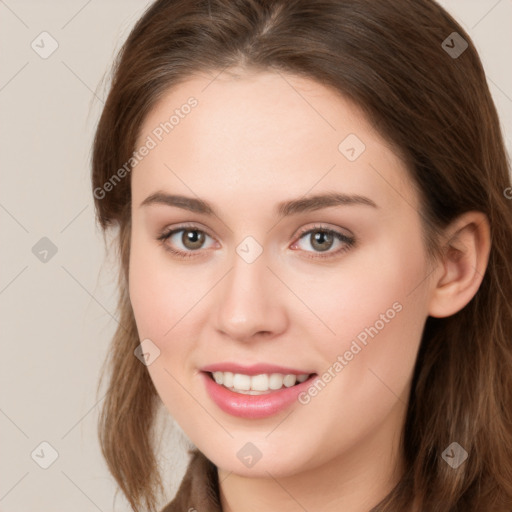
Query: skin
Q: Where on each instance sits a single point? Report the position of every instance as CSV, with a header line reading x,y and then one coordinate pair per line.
x,y
251,143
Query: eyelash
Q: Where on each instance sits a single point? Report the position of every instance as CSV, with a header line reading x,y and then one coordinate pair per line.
x,y
348,241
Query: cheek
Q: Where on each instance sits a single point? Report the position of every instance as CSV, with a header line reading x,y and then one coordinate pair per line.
x,y
375,307
370,281
378,320
154,292
145,298
167,301
159,308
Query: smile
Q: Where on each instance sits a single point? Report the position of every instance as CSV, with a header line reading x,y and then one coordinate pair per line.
x,y
257,384
255,403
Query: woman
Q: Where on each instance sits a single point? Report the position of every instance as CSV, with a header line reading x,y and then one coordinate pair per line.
x,y
315,239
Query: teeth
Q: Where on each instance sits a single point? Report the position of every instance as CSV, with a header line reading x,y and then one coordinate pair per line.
x,y
257,384
227,379
242,382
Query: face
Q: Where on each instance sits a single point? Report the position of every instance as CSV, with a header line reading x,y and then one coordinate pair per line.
x,y
334,290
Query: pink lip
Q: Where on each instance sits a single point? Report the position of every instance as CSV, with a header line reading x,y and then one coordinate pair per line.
x,y
255,369
253,406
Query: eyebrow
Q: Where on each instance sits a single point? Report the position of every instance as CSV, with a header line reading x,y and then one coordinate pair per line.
x,y
283,209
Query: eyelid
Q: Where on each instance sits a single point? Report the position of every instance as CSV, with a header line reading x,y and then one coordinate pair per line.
x,y
322,227
184,226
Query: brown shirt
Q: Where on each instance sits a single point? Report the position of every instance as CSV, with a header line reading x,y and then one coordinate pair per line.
x,y
199,489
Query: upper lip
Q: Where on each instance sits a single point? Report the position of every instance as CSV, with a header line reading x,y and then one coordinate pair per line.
x,y
255,369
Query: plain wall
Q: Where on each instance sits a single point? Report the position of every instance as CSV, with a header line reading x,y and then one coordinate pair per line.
x,y
58,315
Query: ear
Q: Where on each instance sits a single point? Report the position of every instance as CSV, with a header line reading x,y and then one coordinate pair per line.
x,y
461,271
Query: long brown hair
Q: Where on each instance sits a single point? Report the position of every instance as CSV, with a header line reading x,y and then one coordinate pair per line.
x,y
427,94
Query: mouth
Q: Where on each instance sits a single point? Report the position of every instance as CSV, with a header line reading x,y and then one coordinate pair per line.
x,y
261,384
236,394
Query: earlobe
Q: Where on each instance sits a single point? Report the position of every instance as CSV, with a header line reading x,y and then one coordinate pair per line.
x,y
465,259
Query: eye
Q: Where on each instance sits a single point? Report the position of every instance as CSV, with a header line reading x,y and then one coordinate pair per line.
x,y
191,239
322,239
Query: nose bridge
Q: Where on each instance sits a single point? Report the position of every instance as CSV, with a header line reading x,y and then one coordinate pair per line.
x,y
249,301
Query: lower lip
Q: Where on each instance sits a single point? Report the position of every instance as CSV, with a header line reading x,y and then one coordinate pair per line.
x,y
253,406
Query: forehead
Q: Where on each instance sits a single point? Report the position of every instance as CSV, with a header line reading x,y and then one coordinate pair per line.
x,y
264,133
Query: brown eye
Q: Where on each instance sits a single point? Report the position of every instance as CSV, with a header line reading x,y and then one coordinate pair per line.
x,y
321,240
192,239
184,241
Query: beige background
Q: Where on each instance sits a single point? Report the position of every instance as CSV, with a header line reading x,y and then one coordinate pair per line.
x,y
57,317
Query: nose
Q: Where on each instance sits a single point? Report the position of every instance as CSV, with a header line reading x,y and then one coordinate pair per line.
x,y
250,301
